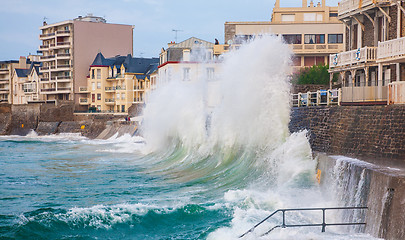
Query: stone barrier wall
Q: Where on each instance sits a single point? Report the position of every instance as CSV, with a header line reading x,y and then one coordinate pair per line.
x,y
376,132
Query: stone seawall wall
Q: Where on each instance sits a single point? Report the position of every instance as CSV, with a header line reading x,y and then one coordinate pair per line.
x,y
50,119
376,132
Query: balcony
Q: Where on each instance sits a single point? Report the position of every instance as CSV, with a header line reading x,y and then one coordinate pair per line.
x,y
47,58
396,93
63,33
361,55
61,68
60,45
3,70
83,101
61,78
56,90
43,46
365,92
4,90
83,90
110,101
317,48
348,7
46,36
138,100
392,50
63,56
109,89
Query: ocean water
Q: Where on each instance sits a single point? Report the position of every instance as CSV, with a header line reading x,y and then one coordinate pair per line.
x,y
197,172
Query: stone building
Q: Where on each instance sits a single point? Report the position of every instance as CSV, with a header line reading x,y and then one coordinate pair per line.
x,y
68,48
312,30
372,66
115,84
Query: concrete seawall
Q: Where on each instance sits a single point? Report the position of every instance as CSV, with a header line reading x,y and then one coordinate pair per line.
x,y
379,187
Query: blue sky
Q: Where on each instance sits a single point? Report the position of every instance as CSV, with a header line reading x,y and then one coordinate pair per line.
x,y
154,20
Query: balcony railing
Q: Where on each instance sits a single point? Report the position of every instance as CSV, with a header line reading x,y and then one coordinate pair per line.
x,y
320,97
110,100
43,46
138,100
55,89
396,93
83,101
365,92
62,32
61,78
361,55
47,35
391,49
83,89
47,57
346,6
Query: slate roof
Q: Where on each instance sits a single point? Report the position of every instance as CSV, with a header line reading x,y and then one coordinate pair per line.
x,y
132,65
21,72
193,42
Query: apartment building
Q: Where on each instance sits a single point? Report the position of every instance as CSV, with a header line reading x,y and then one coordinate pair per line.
x,y
372,69
6,72
115,84
68,49
312,30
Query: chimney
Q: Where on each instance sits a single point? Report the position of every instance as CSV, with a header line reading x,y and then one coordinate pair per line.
x,y
311,4
171,44
277,4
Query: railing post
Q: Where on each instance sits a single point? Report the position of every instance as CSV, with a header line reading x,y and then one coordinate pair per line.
x,y
283,219
339,96
323,220
299,99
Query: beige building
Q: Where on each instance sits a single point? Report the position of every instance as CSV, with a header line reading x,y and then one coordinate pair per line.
x,y
26,84
68,48
189,59
7,69
372,67
313,31
115,84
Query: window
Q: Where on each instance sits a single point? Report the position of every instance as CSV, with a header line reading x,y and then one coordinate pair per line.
x,y
98,73
93,86
210,73
186,74
335,38
92,74
123,108
314,38
123,96
292,38
93,97
99,108
118,96
309,17
99,96
287,17
98,85
333,14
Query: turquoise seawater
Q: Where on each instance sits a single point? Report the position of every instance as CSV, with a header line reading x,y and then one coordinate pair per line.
x,y
53,188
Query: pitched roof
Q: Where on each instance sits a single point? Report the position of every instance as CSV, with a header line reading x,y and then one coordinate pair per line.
x,y
193,42
132,65
22,72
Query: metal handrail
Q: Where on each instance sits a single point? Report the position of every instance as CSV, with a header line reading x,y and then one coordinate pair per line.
x,y
323,224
